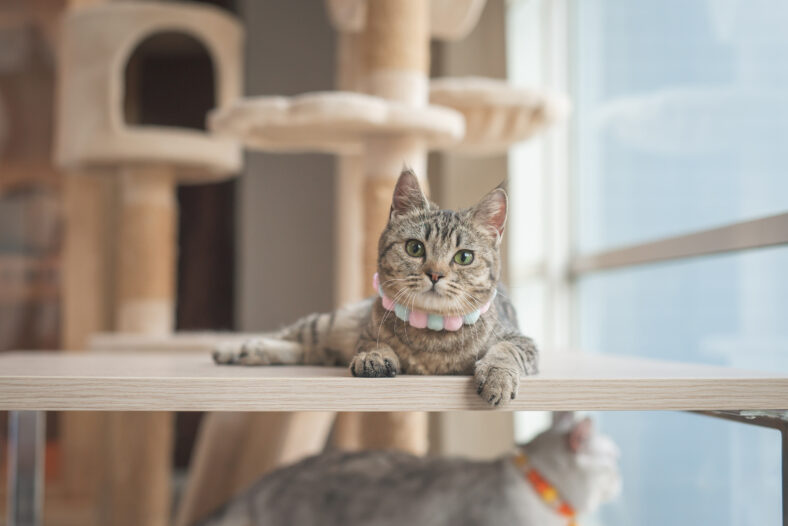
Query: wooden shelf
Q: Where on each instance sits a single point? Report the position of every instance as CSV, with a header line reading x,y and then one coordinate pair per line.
x,y
186,381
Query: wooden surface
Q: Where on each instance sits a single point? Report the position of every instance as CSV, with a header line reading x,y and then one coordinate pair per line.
x,y
191,382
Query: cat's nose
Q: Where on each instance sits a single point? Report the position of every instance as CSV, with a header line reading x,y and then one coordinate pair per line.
x,y
434,276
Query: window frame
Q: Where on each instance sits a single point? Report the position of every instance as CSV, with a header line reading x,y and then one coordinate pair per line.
x,y
549,163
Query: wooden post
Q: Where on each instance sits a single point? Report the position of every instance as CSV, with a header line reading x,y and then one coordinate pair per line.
x,y
395,44
235,449
349,280
146,251
87,308
140,444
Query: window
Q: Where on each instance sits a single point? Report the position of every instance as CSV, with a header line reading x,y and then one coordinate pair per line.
x,y
680,118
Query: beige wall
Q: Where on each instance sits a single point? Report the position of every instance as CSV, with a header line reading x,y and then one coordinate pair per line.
x,y
285,205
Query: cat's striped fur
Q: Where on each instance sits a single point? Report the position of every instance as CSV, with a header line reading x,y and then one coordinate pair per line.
x,y
374,342
388,488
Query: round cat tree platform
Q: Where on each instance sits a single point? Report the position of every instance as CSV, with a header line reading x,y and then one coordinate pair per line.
x,y
496,114
448,19
333,122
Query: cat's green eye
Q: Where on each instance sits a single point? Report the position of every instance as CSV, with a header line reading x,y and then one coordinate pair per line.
x,y
414,248
463,257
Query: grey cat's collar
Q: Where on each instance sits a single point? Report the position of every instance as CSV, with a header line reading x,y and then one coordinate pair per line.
x,y
427,320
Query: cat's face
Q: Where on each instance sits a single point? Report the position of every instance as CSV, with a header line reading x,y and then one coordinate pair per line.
x,y
581,463
436,260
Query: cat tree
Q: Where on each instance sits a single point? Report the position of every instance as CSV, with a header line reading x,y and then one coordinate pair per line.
x,y
388,114
95,141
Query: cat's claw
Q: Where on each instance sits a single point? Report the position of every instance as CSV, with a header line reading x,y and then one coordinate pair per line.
x,y
496,385
372,365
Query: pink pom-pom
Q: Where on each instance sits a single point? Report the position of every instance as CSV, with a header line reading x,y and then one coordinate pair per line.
x,y
452,323
418,319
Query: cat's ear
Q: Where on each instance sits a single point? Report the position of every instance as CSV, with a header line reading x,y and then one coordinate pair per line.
x,y
490,212
407,194
580,434
563,420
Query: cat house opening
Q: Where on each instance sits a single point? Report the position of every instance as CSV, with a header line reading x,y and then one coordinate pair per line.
x,y
169,80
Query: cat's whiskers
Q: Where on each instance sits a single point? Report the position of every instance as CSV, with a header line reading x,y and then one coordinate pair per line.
x,y
478,303
392,280
477,327
486,323
490,326
410,299
456,302
398,295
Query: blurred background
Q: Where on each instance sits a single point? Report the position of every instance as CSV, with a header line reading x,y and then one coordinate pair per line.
x,y
679,124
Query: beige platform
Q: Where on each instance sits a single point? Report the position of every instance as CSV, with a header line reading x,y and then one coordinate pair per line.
x,y
332,122
448,19
95,46
191,382
496,114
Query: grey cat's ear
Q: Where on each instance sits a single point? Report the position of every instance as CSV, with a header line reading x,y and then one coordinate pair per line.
x,y
407,194
580,434
490,212
563,420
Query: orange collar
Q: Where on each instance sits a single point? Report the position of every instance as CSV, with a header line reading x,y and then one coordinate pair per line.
x,y
546,491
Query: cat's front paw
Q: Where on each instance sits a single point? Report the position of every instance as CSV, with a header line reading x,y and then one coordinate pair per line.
x,y
251,352
374,364
226,353
256,351
495,384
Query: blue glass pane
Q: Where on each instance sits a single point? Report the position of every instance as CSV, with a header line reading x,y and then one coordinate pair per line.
x,y
731,309
681,109
681,469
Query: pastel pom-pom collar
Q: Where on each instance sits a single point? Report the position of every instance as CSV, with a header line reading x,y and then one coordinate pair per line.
x,y
426,320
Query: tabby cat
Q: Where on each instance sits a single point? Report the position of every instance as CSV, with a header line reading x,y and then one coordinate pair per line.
x,y
439,308
567,470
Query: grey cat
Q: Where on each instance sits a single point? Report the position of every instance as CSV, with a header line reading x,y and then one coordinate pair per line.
x,y
440,309
566,470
